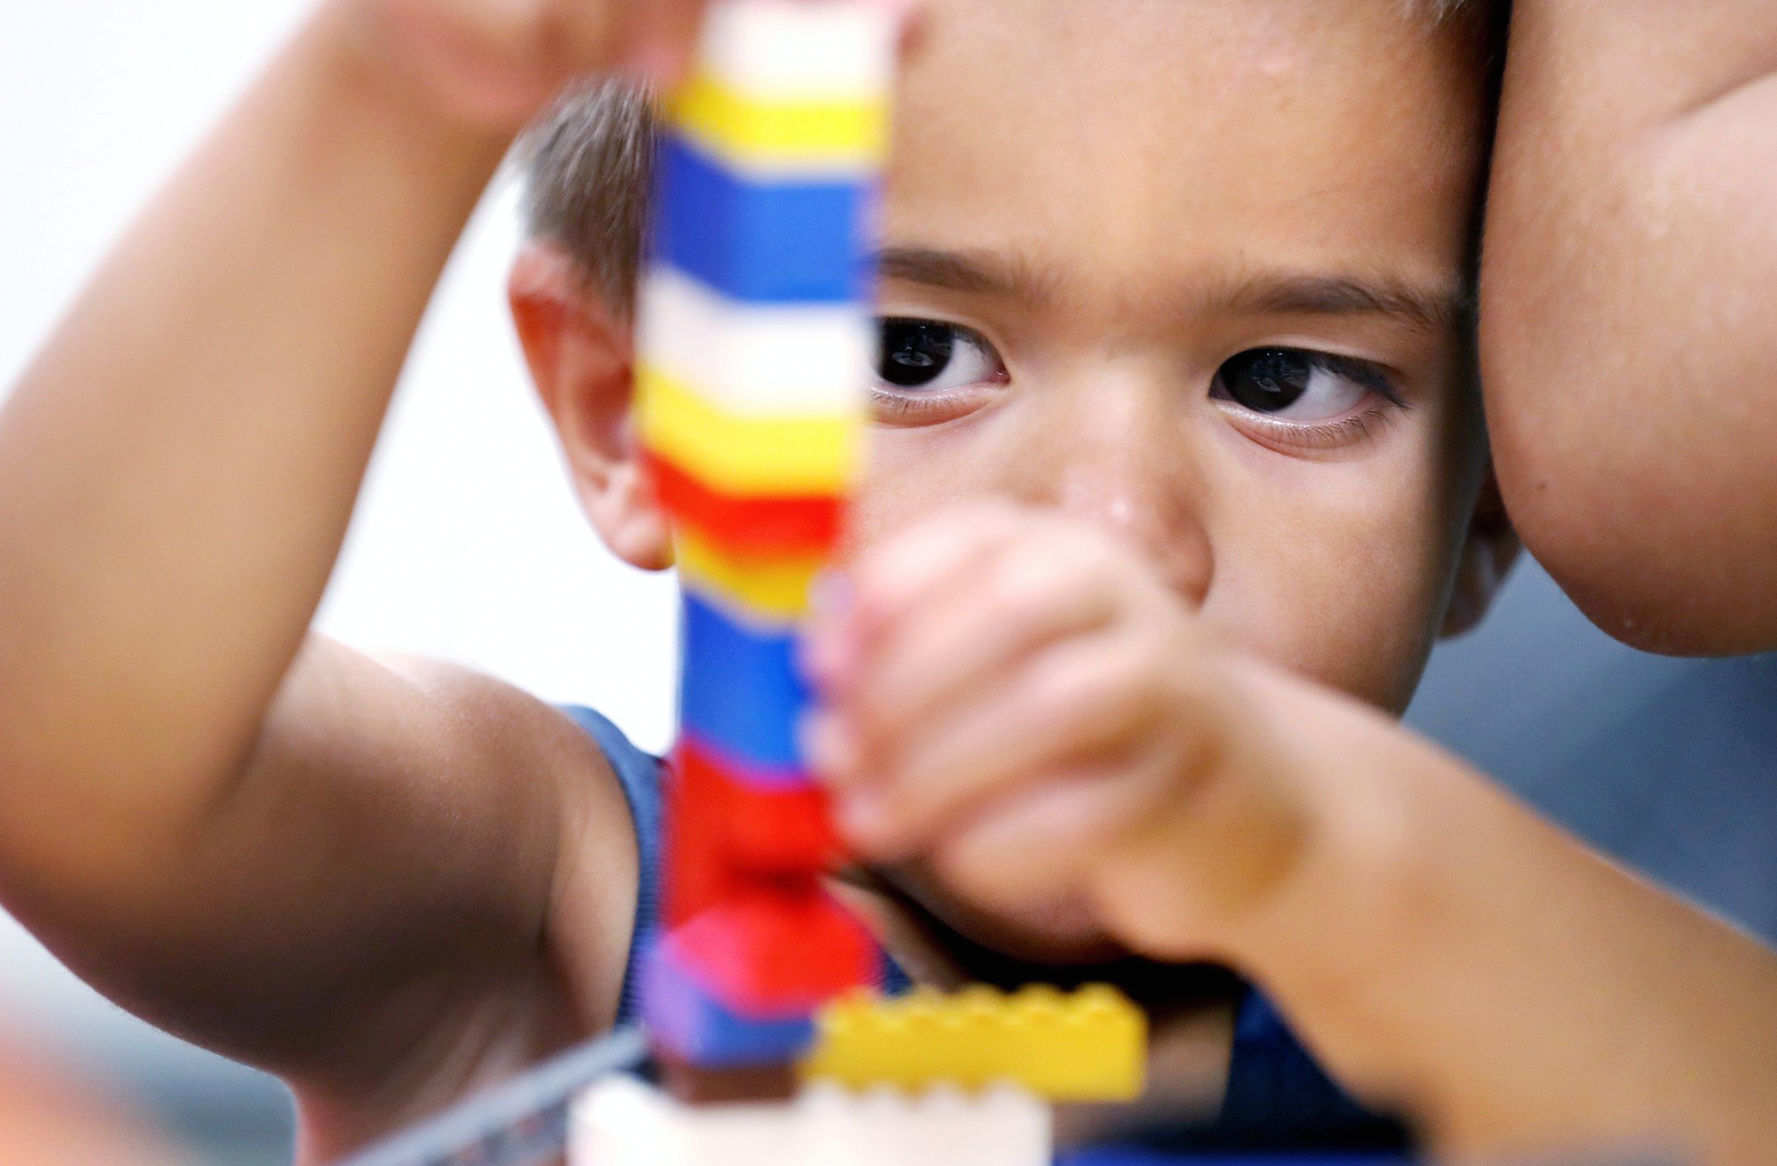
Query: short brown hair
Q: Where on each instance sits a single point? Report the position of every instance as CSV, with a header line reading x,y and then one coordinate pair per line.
x,y
588,165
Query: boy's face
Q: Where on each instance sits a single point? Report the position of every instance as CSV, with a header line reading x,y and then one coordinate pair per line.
x,y
1193,271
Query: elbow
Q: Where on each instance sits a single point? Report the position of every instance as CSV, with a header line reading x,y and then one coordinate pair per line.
x,y
1654,506
1630,382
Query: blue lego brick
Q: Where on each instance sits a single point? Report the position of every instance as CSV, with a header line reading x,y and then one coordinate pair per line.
x,y
741,692
685,1020
788,242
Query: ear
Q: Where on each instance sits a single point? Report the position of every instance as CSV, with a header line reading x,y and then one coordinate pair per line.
x,y
581,353
1486,558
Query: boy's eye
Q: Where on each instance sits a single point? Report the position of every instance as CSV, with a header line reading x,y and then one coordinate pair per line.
x,y
1294,384
931,356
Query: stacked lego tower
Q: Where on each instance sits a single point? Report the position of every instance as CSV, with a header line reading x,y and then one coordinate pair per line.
x,y
755,346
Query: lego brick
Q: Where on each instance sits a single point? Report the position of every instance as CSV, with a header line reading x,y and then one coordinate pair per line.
x,y
759,619
712,856
775,589
726,1084
698,870
790,50
624,1122
688,1022
746,525
782,137
752,358
764,829
740,454
1089,1045
694,757
778,242
741,692
779,950
726,829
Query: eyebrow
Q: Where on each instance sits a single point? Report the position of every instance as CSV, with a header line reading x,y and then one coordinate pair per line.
x,y
971,272
1427,309
1437,309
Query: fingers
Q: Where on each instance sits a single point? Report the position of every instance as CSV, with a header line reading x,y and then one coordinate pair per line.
x,y
983,651
571,39
652,40
1242,831
911,572
916,622
1021,704
1042,842
978,625
1075,702
906,572
659,39
492,64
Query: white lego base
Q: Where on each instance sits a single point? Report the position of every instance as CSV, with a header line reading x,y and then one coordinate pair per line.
x,y
624,1122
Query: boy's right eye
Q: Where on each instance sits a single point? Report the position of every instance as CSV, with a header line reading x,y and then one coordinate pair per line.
x,y
923,365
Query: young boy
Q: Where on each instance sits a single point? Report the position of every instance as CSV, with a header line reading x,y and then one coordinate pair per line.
x,y
1178,462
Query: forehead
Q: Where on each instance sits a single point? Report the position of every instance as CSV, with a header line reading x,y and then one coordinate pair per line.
x,y
1123,141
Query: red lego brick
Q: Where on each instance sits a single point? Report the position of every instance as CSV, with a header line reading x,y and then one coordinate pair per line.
x,y
710,758
698,870
742,526
725,835
776,951
765,828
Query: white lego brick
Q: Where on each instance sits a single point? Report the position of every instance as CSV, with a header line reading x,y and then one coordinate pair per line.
x,y
623,1122
751,359
943,1127
791,50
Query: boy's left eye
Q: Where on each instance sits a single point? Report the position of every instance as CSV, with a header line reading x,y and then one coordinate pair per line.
x,y
1295,384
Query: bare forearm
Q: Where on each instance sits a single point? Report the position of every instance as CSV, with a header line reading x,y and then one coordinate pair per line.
x,y
1630,263
180,462
1508,986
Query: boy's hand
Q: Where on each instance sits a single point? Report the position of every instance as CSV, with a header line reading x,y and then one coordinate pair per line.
x,y
1020,702
493,64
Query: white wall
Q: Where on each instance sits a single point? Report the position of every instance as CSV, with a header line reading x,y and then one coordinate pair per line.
x,y
466,544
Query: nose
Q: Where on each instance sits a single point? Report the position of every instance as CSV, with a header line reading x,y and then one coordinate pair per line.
x,y
1118,452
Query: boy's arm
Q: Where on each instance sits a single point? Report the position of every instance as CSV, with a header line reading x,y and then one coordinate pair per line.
x,y
1444,949
1627,339
1437,945
251,845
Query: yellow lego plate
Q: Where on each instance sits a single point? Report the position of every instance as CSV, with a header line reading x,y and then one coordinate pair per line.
x,y
1088,1045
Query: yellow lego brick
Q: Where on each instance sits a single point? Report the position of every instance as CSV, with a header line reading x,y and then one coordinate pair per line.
x,y
743,455
843,134
775,587
1089,1045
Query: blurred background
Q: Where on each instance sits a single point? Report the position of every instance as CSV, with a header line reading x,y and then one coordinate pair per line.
x,y
467,545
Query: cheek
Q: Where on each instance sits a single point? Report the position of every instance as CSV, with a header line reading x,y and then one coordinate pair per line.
x,y
912,474
1337,571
